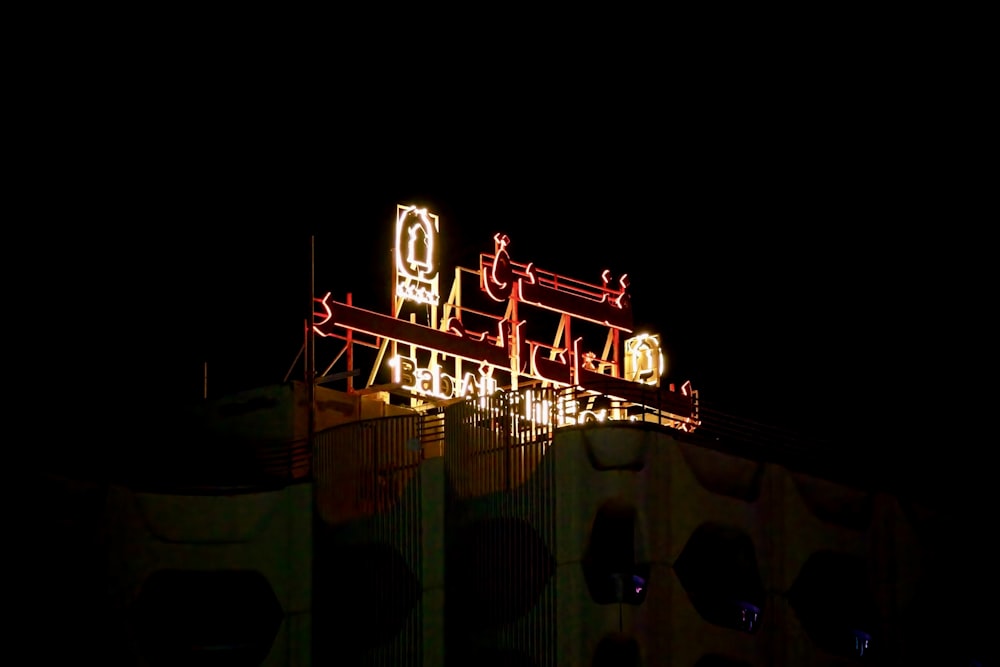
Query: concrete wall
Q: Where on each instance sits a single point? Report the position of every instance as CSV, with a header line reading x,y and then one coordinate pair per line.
x,y
280,412
691,508
265,534
495,552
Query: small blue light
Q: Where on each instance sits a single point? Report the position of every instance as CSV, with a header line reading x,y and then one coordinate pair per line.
x,y
862,640
749,616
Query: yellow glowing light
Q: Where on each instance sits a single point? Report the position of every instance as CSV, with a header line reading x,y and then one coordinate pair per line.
x,y
590,416
434,382
416,255
644,360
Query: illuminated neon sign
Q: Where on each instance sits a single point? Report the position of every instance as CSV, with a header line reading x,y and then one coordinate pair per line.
x,y
433,382
539,410
503,346
644,362
416,255
479,348
606,304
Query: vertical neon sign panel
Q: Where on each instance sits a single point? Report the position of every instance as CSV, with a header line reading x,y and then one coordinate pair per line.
x,y
417,277
644,362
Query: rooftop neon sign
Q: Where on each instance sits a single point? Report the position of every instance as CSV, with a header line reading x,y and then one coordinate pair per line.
x,y
505,345
602,304
415,254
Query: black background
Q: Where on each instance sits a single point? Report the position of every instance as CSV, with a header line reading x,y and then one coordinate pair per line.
x,y
805,233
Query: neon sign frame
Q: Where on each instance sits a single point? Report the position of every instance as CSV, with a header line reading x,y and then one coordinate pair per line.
x,y
417,277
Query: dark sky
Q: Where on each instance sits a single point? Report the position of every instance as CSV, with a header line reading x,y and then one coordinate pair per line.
x,y
779,288
791,295
806,217
805,246
749,317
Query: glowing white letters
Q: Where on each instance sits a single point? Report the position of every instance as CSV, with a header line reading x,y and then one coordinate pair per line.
x,y
433,382
644,361
416,255
545,410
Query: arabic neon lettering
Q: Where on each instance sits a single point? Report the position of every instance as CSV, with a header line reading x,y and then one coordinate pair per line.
x,y
455,340
603,303
497,283
514,342
563,370
457,327
503,345
569,366
617,300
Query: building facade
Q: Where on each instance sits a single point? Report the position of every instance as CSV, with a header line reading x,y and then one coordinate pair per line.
x,y
457,536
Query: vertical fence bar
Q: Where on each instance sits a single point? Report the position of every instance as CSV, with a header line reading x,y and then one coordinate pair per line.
x,y
367,475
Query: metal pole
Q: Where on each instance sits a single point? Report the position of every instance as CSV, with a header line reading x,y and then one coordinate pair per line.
x,y
311,344
350,351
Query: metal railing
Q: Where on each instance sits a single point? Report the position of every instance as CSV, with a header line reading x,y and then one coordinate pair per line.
x,y
369,466
370,456
494,443
210,464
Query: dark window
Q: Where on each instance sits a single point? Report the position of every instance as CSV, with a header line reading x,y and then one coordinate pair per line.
x,y
206,618
718,569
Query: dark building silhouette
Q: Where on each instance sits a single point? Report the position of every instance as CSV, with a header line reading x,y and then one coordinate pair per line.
x,y
457,535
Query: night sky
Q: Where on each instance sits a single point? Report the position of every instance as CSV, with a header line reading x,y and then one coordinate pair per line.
x,y
808,254
777,295
774,293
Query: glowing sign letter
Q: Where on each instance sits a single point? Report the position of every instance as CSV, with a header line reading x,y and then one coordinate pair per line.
x,y
510,339
498,278
644,361
404,372
416,255
434,382
561,371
